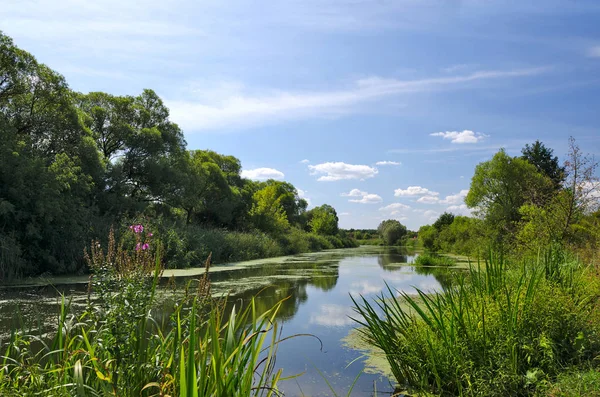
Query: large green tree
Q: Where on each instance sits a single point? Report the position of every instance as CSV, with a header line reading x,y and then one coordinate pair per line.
x,y
500,187
391,231
47,167
323,220
545,162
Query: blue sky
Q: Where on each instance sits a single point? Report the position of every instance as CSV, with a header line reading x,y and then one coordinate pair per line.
x,y
432,87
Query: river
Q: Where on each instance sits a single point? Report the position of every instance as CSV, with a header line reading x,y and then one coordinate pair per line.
x,y
318,286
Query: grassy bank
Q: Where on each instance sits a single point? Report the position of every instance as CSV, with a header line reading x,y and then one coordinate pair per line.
x,y
511,329
430,259
188,247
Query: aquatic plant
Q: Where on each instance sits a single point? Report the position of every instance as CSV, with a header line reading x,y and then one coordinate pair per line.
x,y
502,330
431,259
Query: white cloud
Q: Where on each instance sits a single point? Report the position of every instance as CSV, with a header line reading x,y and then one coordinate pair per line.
x,y
365,198
465,136
459,210
247,108
594,52
394,207
262,174
414,191
344,214
339,171
455,198
305,161
368,199
431,215
354,193
388,163
428,200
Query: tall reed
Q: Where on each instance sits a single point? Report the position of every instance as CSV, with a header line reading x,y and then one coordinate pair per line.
x,y
500,330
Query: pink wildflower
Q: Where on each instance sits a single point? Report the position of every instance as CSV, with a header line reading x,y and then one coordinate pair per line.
x,y
138,246
137,228
150,234
145,247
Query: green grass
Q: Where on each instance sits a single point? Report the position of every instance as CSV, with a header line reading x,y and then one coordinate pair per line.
x,y
190,246
117,348
575,384
508,330
429,259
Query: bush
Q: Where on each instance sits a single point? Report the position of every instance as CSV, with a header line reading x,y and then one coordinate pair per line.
x,y
499,331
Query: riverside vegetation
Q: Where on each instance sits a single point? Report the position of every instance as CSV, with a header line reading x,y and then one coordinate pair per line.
x,y
117,347
525,319
74,165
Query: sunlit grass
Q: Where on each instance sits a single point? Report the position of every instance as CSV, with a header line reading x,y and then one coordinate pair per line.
x,y
507,330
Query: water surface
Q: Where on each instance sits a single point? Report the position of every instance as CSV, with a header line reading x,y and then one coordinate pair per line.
x,y
318,288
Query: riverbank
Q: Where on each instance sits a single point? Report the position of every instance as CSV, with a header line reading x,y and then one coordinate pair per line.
x,y
316,287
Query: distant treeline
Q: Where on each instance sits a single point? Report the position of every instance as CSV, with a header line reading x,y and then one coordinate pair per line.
x,y
74,165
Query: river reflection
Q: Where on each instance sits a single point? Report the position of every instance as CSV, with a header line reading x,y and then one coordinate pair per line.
x,y
317,287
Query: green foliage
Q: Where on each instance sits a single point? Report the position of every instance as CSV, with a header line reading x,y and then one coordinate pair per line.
x,y
72,165
391,231
542,158
323,220
117,348
505,330
428,237
267,211
464,236
575,384
443,221
500,187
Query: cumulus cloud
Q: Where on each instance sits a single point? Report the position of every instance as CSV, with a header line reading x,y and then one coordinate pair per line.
x,y
431,215
354,193
388,163
459,210
337,171
414,191
305,161
428,200
262,174
457,198
394,207
362,197
452,199
465,136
